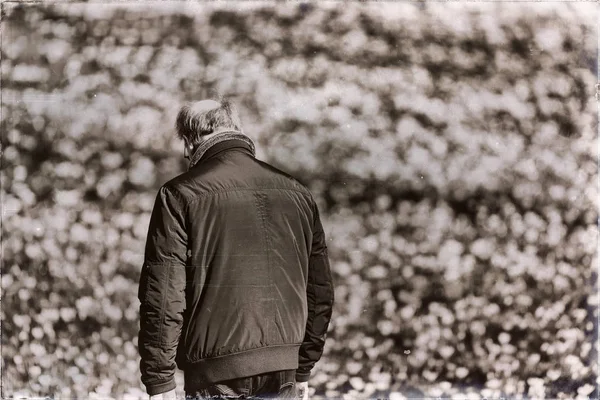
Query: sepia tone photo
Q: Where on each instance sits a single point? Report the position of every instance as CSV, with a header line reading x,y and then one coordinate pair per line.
x,y
298,199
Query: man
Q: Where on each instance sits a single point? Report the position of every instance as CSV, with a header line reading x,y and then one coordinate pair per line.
x,y
236,286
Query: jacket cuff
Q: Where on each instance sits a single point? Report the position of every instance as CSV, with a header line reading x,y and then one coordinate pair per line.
x,y
159,388
302,376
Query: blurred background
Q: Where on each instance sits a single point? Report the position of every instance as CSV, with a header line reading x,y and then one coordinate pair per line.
x,y
452,149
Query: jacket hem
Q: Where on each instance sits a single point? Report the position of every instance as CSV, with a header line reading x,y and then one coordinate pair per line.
x,y
202,373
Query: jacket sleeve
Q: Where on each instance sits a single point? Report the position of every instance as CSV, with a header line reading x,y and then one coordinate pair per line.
x,y
162,293
320,296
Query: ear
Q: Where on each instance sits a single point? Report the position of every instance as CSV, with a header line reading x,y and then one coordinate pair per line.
x,y
189,146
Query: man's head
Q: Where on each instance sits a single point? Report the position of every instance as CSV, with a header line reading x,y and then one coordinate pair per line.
x,y
198,120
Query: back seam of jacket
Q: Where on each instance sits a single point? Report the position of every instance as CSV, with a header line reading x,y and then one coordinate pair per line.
x,y
261,199
261,205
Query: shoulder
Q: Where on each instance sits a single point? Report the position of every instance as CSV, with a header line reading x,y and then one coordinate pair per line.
x,y
294,182
179,187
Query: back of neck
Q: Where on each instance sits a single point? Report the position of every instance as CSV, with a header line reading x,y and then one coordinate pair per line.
x,y
218,137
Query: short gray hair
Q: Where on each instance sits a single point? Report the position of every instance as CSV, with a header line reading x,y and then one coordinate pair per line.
x,y
191,124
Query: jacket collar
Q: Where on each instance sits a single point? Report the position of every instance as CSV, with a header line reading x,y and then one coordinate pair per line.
x,y
223,141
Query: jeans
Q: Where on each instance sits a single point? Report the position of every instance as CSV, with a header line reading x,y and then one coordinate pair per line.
x,y
274,385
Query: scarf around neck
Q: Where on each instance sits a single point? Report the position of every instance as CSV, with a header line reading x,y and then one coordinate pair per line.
x,y
218,138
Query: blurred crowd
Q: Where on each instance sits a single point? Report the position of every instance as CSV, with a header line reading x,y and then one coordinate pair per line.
x,y
453,151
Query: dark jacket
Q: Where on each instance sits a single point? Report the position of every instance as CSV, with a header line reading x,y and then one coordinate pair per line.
x,y
236,279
